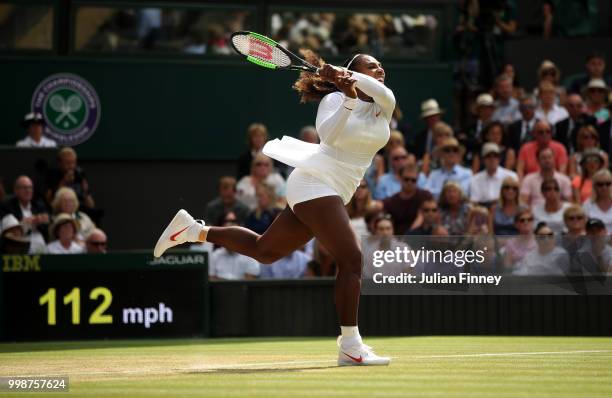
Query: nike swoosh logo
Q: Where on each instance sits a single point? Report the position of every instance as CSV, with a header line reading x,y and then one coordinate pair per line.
x,y
359,360
173,236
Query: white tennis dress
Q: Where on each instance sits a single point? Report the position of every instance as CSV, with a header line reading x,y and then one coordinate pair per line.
x,y
351,133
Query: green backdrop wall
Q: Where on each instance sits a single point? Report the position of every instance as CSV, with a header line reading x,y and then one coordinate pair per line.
x,y
183,109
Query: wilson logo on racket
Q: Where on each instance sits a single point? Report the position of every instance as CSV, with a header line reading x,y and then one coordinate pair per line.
x,y
259,49
263,51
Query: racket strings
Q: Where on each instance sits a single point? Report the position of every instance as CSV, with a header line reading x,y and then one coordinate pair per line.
x,y
250,46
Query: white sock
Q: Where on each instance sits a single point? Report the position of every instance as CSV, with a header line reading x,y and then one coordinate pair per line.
x,y
193,233
350,335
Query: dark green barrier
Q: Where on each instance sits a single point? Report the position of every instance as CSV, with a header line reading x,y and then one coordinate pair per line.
x,y
306,308
103,296
155,109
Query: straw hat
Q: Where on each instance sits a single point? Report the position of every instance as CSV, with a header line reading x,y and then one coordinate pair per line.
x,y
484,99
430,107
60,220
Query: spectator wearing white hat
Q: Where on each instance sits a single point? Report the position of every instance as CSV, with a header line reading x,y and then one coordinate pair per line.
x,y
484,110
486,184
596,94
12,239
34,124
64,231
506,107
450,169
431,113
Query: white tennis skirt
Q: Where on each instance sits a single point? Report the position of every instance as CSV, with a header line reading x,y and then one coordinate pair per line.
x,y
302,186
320,170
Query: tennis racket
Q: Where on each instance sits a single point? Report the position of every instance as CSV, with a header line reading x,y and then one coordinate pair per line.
x,y
263,51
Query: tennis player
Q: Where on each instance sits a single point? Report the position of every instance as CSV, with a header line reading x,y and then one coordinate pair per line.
x,y
353,123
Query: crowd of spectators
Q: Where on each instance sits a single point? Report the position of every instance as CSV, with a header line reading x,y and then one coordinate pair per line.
x,y
528,167
529,172
59,216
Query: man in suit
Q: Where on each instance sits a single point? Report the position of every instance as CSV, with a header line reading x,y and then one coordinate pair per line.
x,y
567,129
32,215
519,132
431,114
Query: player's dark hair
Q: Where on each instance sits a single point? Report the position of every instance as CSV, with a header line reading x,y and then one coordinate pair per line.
x,y
310,86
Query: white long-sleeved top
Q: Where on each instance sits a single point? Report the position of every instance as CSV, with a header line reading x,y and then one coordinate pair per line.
x,y
351,132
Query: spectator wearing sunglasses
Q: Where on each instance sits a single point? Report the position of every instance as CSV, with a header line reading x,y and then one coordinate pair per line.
x,y
261,171
575,224
596,95
427,220
391,183
531,186
527,158
404,205
517,246
505,211
547,258
486,184
96,242
566,131
552,210
587,139
549,72
600,204
450,169
592,160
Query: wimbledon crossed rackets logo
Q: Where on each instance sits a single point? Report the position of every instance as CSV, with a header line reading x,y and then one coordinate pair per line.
x,y
70,106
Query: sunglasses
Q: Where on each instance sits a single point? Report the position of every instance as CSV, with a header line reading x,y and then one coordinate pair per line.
x,y
548,236
451,149
546,189
362,186
262,164
97,244
402,157
589,137
429,210
575,218
409,179
527,106
527,219
510,187
603,184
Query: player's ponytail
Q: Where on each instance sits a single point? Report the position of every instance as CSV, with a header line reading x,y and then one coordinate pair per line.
x,y
312,87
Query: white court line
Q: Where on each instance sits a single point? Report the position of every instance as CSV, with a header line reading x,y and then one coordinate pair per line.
x,y
259,364
511,354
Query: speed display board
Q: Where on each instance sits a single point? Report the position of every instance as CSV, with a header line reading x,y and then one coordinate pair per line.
x,y
103,296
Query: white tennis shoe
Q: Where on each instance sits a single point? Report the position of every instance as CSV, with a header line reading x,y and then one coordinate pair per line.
x,y
175,233
359,355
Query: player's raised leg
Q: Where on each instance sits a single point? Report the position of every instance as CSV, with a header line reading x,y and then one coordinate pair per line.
x,y
286,234
327,219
